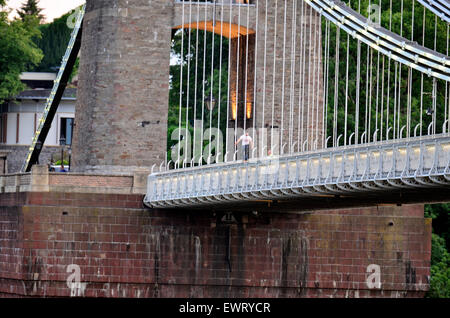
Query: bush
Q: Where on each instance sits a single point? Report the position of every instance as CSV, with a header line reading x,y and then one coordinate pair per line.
x,y
58,163
440,269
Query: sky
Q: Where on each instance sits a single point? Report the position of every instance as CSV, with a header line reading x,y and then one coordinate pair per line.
x,y
51,8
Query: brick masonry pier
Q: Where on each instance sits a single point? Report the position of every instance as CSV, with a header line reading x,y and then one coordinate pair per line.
x,y
53,225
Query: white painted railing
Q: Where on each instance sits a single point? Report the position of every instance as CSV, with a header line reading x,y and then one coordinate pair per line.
x,y
417,162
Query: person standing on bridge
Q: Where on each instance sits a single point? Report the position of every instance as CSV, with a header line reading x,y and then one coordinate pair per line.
x,y
247,142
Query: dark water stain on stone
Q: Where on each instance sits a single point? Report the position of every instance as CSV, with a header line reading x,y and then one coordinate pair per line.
x,y
294,250
304,270
284,261
34,270
410,274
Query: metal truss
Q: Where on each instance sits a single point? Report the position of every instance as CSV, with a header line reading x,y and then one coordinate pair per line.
x,y
386,42
439,7
420,162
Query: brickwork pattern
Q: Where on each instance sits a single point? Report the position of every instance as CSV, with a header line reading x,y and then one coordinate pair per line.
x,y
124,250
124,81
92,181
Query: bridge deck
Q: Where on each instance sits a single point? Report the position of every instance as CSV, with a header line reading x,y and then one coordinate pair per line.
x,y
408,163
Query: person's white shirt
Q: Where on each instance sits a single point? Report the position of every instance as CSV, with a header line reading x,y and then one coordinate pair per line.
x,y
246,140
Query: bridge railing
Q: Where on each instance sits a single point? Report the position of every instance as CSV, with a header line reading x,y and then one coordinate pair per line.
x,y
384,166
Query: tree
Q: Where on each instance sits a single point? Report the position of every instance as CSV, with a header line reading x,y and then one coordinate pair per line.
x,y
191,84
440,213
17,51
53,43
440,257
401,24
30,8
440,269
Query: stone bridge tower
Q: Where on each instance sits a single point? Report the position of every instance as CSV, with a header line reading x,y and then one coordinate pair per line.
x,y
121,114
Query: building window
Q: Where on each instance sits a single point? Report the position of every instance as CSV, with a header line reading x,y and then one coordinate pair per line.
x,y
3,128
66,130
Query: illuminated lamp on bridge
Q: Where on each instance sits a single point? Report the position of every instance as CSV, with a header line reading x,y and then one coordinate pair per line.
x,y
210,102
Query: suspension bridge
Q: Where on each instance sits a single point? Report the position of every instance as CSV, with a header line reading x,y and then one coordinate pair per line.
x,y
338,97
288,148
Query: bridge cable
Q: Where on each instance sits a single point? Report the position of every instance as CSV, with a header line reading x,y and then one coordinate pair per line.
x,y
283,78
309,95
303,76
255,80
293,69
382,87
246,99
319,62
346,87
195,85
229,87
186,151
313,95
447,84
400,76
422,75
181,88
237,79
273,77
301,80
211,86
203,88
325,82
218,150
264,81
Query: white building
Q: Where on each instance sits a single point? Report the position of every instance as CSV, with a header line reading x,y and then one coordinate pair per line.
x,y
19,120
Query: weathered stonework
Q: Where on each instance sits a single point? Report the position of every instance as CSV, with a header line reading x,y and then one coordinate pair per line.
x,y
122,250
16,156
50,221
123,82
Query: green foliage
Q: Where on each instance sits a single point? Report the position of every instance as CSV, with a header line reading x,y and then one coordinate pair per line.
x,y
440,213
30,8
440,269
54,41
17,51
368,91
440,256
204,75
58,163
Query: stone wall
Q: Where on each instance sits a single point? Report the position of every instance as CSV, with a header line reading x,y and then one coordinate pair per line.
x,y
17,155
123,82
124,250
